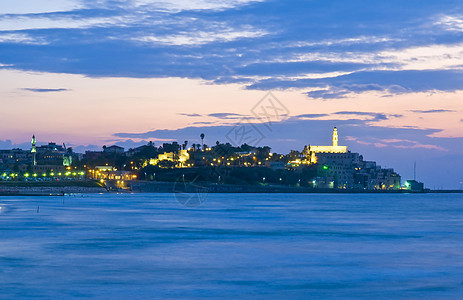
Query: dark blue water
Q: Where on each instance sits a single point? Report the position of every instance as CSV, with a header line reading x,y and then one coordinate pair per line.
x,y
260,246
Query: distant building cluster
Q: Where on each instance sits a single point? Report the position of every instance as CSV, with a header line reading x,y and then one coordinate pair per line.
x,y
337,167
324,167
39,162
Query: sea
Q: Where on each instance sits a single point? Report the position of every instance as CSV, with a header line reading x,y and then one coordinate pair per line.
x,y
233,246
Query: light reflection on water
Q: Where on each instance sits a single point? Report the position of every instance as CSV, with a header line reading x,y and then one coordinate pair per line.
x,y
148,246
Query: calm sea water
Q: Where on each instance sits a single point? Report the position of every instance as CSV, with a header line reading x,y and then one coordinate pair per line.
x,y
260,246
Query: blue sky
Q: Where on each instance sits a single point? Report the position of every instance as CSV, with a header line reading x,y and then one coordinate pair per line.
x,y
388,74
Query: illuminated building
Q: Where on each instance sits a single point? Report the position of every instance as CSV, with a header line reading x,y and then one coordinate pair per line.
x,y
180,157
335,137
110,173
47,161
414,186
311,154
337,167
312,151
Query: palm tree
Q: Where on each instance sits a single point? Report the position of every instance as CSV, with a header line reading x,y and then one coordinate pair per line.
x,y
202,138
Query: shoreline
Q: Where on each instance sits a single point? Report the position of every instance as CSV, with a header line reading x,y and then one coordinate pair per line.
x,y
137,187
187,187
51,191
49,188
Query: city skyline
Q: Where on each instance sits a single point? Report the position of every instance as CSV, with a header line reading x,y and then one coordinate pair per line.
x,y
128,72
334,147
315,167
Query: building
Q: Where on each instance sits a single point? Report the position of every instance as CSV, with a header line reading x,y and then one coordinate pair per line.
x,y
113,149
146,150
15,158
179,157
49,169
110,173
313,152
93,155
369,175
52,155
50,147
337,167
414,186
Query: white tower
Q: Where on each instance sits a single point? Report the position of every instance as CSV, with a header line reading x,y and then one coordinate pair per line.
x,y
34,151
335,137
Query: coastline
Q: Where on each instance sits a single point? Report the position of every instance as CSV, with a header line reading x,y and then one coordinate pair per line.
x,y
91,187
52,188
49,191
187,187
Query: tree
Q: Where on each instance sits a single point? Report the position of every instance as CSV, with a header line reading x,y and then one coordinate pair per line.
x,y
293,154
202,139
185,144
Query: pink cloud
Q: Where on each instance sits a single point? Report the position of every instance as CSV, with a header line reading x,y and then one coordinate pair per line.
x,y
351,138
406,144
418,145
380,145
388,141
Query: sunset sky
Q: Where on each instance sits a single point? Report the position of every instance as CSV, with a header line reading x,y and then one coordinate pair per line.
x,y
388,74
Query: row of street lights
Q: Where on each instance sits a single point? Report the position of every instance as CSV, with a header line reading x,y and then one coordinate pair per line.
x,y
37,175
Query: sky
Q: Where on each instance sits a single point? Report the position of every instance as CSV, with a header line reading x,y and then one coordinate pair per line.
x,y
387,74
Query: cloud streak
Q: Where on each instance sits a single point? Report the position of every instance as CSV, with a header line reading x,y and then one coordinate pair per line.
x,y
181,5
202,37
36,7
21,38
45,90
433,111
398,144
